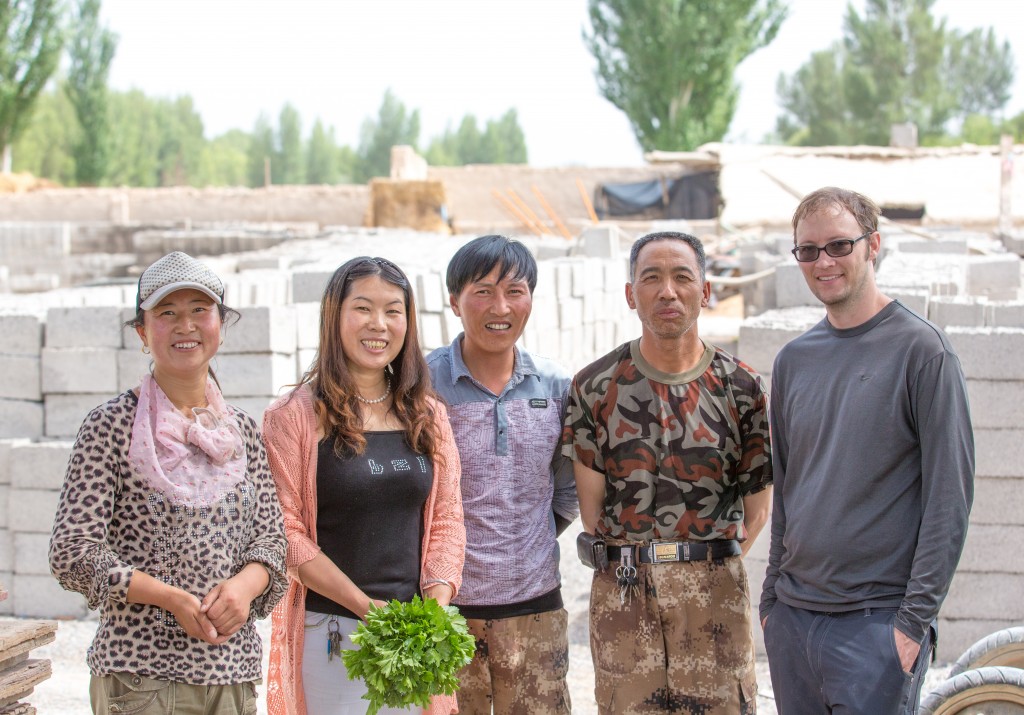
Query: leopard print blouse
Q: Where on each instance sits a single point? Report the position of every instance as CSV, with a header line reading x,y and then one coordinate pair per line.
x,y
109,523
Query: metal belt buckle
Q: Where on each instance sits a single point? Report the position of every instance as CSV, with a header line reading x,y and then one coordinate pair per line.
x,y
663,552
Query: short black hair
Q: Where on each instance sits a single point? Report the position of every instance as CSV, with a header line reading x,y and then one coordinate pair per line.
x,y
479,257
692,241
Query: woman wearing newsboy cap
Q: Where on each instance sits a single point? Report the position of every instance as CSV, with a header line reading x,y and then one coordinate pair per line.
x,y
168,521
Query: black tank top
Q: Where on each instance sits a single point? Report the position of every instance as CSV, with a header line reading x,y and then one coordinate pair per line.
x,y
369,518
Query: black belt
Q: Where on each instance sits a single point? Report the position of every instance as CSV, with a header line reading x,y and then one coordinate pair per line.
x,y
663,552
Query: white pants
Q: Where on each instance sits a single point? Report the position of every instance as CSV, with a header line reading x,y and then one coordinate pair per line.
x,y
325,681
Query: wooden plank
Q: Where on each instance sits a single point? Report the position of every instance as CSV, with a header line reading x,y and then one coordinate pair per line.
x,y
18,709
14,631
17,682
19,652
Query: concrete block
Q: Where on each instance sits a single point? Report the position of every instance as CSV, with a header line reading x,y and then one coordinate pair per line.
x,y
1005,314
431,294
616,275
31,554
87,370
563,278
20,377
993,274
307,325
21,418
593,276
253,406
65,413
261,329
603,240
303,361
996,404
5,460
6,551
579,277
997,501
916,244
5,500
544,315
761,338
40,465
987,353
790,287
965,311
985,540
999,452
32,510
985,595
84,327
131,366
916,300
546,276
308,286
431,328
23,334
246,374
570,312
42,597
453,325
956,636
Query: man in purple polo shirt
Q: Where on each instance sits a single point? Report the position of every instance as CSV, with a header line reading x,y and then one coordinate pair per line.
x,y
518,492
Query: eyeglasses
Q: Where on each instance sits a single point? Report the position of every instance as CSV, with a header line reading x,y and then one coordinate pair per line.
x,y
837,249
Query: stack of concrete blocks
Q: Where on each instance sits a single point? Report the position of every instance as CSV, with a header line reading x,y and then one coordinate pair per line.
x,y
986,592
977,300
258,358
21,399
35,473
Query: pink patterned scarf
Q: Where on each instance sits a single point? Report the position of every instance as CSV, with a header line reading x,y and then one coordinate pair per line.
x,y
191,461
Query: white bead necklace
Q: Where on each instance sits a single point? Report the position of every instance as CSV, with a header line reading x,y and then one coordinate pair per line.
x,y
378,400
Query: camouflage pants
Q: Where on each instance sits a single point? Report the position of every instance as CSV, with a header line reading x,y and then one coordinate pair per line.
x,y
682,643
519,667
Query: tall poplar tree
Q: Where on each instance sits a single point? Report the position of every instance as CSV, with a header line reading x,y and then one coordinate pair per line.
x,y
669,64
91,51
31,40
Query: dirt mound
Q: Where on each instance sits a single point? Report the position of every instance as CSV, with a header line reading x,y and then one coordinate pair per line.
x,y
20,183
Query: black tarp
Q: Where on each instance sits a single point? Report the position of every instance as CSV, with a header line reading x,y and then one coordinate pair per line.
x,y
692,196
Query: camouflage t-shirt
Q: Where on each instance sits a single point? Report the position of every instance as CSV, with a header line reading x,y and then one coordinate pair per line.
x,y
678,452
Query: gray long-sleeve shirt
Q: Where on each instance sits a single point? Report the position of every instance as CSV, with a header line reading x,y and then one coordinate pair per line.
x,y
873,455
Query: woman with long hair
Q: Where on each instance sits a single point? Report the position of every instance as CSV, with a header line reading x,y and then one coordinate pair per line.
x,y
367,472
168,520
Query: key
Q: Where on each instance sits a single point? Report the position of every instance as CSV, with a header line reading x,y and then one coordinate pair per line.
x,y
334,639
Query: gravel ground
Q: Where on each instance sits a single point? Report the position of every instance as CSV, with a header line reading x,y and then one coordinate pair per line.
x,y
67,691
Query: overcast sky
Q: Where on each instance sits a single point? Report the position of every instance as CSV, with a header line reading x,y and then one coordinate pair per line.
x,y
333,60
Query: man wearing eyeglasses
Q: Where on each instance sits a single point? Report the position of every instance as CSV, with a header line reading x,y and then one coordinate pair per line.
x,y
873,460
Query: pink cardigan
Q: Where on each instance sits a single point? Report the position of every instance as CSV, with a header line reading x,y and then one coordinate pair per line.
x,y
290,434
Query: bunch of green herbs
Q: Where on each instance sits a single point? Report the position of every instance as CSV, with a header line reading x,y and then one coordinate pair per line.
x,y
409,652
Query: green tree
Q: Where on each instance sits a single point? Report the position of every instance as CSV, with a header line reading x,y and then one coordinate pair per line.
x,y
46,147
394,125
669,64
91,52
288,166
261,149
504,140
321,156
31,40
896,63
224,160
135,140
181,141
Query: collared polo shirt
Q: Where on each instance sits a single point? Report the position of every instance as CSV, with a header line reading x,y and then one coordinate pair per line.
x,y
514,477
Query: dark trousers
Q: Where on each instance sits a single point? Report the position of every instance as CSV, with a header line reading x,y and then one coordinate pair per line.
x,y
840,663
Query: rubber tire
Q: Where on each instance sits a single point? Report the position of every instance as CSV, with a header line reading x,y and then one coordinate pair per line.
x,y
965,693
1005,647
